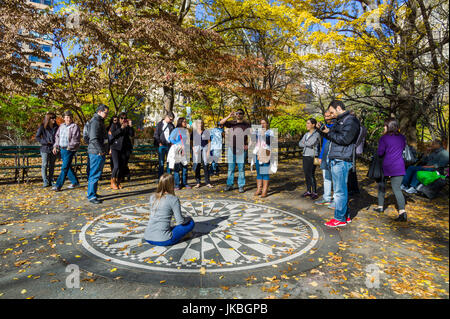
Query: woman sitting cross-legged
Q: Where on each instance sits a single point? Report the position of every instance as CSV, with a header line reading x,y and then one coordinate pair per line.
x,y
163,206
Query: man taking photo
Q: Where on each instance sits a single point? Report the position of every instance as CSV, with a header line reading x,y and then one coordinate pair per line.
x,y
161,138
342,138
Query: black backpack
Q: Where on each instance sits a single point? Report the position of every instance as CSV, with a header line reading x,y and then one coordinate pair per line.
x,y
432,190
86,132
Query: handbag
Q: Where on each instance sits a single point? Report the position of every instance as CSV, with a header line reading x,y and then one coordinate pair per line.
x,y
273,167
317,161
408,155
376,168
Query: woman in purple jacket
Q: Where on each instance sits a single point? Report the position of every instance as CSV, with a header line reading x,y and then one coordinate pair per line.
x,y
390,146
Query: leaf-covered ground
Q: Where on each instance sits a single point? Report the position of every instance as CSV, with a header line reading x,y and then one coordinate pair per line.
x,y
378,258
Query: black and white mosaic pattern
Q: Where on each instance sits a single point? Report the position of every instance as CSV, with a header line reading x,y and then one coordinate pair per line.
x,y
228,236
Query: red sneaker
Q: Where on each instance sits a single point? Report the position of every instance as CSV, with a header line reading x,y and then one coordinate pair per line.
x,y
335,223
349,220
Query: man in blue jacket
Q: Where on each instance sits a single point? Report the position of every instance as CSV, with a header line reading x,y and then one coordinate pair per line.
x,y
327,198
342,138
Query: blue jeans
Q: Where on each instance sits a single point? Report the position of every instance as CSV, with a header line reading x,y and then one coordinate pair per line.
x,y
66,168
48,164
95,171
327,185
162,156
178,232
176,174
262,170
410,178
234,160
216,154
339,173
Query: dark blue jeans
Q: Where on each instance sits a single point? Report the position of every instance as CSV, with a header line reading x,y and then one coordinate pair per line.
x,y
162,156
178,232
176,175
66,169
96,168
410,178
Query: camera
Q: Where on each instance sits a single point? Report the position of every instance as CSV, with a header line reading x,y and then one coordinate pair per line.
x,y
322,126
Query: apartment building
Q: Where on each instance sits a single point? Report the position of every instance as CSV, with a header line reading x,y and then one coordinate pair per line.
x,y
44,41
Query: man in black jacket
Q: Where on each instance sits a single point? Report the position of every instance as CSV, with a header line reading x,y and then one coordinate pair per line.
x,y
96,151
342,138
161,139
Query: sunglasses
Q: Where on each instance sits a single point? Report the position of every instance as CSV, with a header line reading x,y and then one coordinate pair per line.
x,y
123,118
240,113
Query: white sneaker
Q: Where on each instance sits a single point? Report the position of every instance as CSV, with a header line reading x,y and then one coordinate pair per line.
x,y
403,187
411,190
419,188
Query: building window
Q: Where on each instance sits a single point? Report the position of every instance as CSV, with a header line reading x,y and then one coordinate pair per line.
x,y
47,2
33,58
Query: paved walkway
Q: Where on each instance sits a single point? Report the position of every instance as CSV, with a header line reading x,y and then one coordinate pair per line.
x,y
373,257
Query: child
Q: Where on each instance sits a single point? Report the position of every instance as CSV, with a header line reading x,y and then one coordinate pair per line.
x,y
163,205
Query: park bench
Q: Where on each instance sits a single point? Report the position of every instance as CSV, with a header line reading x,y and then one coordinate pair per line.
x,y
145,154
11,154
24,156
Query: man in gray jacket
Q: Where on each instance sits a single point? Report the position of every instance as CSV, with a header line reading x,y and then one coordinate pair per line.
x,y
96,151
342,138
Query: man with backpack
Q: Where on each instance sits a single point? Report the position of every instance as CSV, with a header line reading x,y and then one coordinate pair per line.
x,y
341,157
97,151
161,140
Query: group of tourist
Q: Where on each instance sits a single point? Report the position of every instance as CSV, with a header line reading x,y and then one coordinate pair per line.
x,y
64,140
174,142
332,146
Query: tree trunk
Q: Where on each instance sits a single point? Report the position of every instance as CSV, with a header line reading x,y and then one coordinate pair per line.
x,y
407,118
168,100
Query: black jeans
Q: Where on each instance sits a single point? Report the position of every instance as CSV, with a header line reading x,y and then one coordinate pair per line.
x,y
310,171
120,162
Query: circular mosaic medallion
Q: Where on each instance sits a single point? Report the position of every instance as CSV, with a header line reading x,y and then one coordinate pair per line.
x,y
229,237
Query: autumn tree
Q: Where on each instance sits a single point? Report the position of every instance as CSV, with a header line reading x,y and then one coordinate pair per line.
x,y
21,25
254,30
392,55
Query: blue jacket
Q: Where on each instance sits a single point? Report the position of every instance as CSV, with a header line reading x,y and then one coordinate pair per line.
x,y
325,144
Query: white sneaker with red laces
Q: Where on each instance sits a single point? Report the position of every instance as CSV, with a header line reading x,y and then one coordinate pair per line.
x,y
335,223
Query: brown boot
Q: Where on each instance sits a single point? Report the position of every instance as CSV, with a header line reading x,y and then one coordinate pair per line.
x,y
265,188
114,183
118,181
259,187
